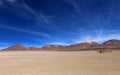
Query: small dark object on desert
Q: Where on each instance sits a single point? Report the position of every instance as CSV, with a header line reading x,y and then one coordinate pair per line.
x,y
101,51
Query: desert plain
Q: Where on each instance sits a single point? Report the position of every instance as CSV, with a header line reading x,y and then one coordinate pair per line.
x,y
59,63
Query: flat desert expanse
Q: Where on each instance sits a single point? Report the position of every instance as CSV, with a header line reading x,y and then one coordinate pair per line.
x,y
59,63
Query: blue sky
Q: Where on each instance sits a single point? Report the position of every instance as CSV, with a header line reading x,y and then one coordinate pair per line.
x,y
59,22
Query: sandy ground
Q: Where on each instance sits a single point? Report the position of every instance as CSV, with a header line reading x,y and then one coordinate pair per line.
x,y
59,63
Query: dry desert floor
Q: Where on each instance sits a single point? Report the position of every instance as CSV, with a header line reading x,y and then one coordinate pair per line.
x,y
59,63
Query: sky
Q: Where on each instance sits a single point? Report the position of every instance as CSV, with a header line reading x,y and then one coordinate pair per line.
x,y
58,22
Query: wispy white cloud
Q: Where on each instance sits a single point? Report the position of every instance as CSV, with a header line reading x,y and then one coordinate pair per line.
x,y
12,1
27,12
1,3
39,16
99,36
29,9
41,19
4,45
59,43
25,31
47,19
75,5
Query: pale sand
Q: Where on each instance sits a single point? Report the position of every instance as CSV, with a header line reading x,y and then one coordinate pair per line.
x,y
59,63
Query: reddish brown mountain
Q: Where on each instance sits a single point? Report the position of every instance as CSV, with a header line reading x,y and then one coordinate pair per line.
x,y
112,43
35,48
82,46
17,47
52,48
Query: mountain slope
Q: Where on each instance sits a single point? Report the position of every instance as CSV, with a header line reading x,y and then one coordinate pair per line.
x,y
85,45
112,43
17,47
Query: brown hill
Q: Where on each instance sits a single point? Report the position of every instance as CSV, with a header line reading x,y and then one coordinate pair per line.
x,y
81,46
112,43
35,48
52,48
17,47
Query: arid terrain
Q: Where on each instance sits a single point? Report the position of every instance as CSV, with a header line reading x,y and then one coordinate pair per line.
x,y
59,63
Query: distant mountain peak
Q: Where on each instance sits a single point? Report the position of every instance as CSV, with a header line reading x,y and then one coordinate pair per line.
x,y
112,42
17,47
92,42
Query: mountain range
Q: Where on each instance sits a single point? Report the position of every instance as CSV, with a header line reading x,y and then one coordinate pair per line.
x,y
110,44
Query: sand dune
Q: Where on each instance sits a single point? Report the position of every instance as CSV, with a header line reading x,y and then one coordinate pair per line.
x,y
59,63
